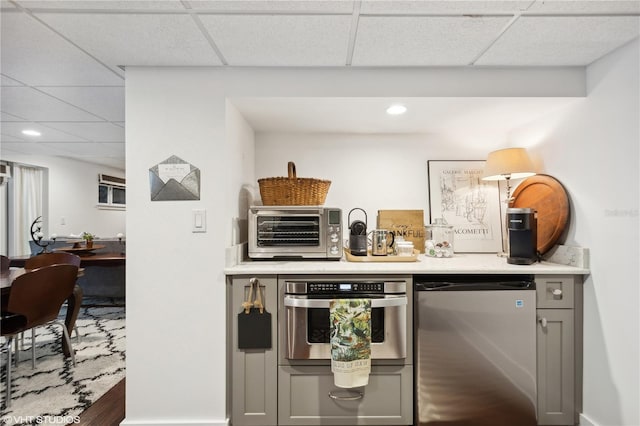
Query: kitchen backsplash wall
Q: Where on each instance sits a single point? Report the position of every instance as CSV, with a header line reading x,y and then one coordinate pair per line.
x,y
370,171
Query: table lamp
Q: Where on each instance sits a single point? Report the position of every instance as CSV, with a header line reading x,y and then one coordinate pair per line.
x,y
506,164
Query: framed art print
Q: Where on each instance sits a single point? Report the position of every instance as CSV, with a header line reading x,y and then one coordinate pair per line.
x,y
459,196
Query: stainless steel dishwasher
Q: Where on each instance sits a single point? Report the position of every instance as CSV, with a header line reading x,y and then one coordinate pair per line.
x,y
475,341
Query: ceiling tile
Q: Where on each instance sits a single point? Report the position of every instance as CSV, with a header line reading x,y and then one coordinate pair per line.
x,y
136,39
31,148
308,6
105,102
443,6
6,81
10,117
585,6
48,134
103,4
7,138
281,40
91,149
560,40
420,41
36,106
96,132
36,55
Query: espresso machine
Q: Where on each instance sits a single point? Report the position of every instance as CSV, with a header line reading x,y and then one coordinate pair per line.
x,y
523,236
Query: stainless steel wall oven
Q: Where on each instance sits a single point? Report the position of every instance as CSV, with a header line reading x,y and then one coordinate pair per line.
x,y
305,352
305,325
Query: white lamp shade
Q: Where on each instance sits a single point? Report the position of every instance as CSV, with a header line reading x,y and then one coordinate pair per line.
x,y
509,163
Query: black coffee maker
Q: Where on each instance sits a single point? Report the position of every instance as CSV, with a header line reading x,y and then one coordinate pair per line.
x,y
523,236
358,234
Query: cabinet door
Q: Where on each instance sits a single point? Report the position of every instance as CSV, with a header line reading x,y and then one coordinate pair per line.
x,y
308,396
556,391
254,371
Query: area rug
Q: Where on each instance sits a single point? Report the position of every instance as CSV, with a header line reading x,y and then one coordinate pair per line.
x,y
56,392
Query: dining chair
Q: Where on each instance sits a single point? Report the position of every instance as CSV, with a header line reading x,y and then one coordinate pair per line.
x,y
46,259
11,323
55,258
4,262
37,296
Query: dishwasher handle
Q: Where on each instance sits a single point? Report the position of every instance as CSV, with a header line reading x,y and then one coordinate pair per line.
x,y
475,286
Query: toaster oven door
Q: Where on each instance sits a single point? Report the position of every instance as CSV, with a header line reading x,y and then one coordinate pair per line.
x,y
288,231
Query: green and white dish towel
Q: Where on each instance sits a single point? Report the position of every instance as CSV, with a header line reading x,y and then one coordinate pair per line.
x,y
350,341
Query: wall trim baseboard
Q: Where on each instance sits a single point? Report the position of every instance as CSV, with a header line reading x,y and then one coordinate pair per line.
x,y
216,422
586,421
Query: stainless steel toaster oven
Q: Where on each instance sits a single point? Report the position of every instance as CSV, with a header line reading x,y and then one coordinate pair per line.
x,y
295,232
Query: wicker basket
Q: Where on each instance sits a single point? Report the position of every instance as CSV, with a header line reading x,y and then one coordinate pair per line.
x,y
292,190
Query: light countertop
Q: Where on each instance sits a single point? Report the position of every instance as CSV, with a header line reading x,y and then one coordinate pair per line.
x,y
465,263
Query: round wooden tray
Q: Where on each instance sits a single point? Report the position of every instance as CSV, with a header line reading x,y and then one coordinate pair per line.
x,y
546,195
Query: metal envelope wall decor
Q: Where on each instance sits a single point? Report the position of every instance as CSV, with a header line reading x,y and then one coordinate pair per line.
x,y
174,180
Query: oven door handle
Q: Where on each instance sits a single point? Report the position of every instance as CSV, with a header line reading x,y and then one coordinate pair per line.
x,y
386,302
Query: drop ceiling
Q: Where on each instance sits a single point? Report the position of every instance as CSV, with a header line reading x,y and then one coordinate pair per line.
x,y
63,62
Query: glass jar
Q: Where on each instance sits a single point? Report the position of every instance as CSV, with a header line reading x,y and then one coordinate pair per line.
x,y
439,239
404,248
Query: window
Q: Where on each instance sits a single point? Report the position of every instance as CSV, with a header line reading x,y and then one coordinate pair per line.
x,y
111,192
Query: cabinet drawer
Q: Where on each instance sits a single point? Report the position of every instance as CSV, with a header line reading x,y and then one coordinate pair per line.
x,y
304,397
555,291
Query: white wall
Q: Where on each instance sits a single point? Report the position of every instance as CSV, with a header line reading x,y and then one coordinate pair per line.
x,y
373,172
176,324
241,175
176,332
73,195
593,149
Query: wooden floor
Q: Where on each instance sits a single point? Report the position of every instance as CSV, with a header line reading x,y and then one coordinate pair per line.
x,y
108,410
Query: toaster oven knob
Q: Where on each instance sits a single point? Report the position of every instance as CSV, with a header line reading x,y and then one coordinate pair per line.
x,y
333,250
333,237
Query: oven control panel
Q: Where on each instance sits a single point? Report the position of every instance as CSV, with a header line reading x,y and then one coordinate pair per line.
x,y
345,287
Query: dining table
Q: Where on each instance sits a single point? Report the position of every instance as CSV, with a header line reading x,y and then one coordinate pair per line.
x,y
73,301
86,259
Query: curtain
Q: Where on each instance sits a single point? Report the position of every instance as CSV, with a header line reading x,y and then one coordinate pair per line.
x,y
27,203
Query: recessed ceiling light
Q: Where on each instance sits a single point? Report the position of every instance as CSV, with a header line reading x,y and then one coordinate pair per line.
x,y
30,132
396,109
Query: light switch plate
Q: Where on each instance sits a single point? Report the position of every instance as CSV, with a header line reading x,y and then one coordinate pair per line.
x,y
199,220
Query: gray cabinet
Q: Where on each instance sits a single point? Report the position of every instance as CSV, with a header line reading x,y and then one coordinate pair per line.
x,y
308,396
559,349
254,372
